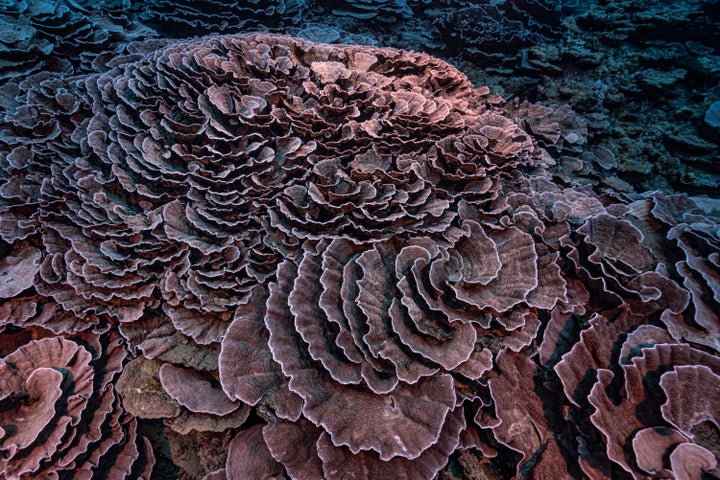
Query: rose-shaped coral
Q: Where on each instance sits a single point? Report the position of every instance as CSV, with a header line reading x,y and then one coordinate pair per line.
x,y
687,230
367,335
193,181
63,36
60,414
349,246
651,401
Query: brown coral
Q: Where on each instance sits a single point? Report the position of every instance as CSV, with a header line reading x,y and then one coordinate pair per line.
x,y
354,245
60,412
637,397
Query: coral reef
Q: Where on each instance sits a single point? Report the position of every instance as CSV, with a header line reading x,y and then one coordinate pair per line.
x,y
60,413
641,76
493,33
177,18
645,75
66,37
380,10
250,256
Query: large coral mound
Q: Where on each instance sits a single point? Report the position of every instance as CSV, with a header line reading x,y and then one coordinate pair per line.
x,y
330,262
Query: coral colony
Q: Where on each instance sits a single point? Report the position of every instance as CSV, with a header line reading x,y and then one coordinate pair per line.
x,y
248,256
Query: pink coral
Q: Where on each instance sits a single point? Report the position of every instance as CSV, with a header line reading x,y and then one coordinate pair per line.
x,y
345,259
61,415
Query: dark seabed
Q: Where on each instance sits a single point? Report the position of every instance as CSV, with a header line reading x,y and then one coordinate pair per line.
x,y
359,239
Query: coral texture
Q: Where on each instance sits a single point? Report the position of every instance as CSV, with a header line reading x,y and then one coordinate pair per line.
x,y
491,32
58,36
61,415
190,17
379,10
354,248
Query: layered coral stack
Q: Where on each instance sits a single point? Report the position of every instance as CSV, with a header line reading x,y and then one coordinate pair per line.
x,y
179,17
493,32
257,256
54,36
